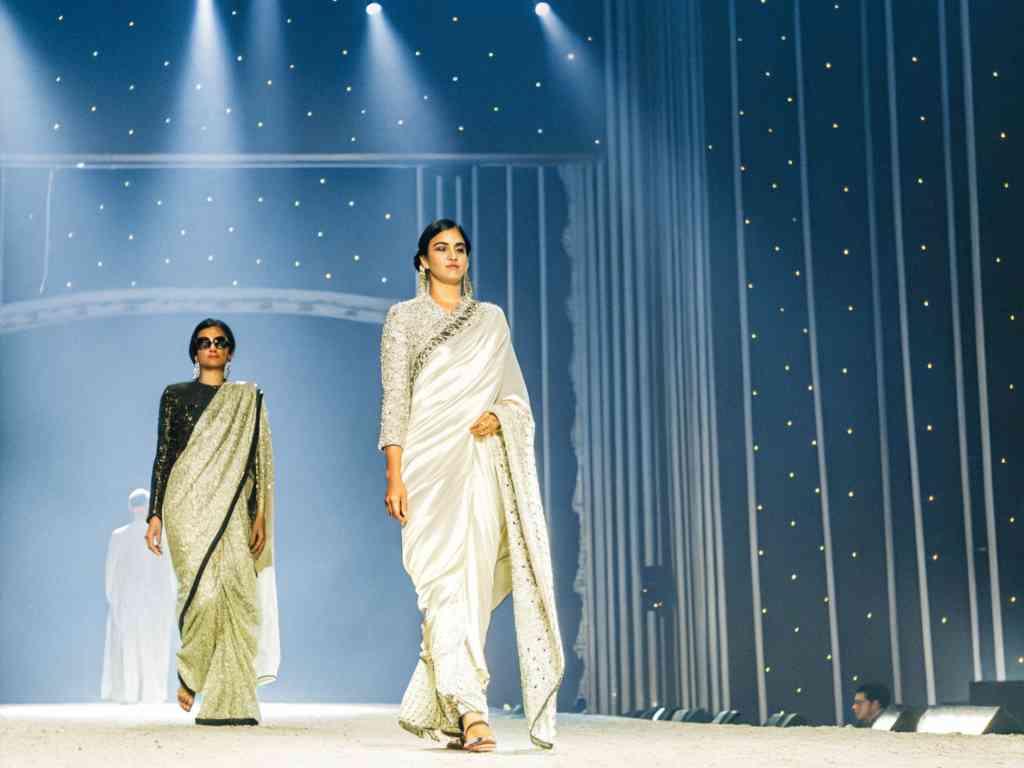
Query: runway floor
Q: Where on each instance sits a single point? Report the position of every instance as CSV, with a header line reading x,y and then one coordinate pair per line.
x,y
94,735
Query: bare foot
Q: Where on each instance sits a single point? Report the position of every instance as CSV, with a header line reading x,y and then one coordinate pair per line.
x,y
185,699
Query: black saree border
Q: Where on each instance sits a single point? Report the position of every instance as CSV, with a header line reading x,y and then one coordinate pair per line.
x,y
226,721
224,523
452,327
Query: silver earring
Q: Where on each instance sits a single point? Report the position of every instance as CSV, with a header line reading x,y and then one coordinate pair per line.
x,y
421,282
227,369
467,286
195,371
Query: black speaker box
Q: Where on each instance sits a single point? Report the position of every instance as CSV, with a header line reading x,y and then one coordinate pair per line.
x,y
967,719
691,716
899,719
1008,694
726,717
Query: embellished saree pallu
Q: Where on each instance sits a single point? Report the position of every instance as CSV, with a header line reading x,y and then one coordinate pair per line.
x,y
227,601
476,530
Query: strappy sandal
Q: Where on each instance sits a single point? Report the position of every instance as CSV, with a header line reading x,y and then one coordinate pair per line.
x,y
480,743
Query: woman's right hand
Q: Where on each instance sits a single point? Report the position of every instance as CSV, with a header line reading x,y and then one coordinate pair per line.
x,y
397,500
153,532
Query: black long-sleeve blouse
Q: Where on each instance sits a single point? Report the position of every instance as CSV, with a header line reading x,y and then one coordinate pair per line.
x,y
181,405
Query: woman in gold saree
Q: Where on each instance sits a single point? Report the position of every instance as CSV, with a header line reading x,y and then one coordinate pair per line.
x,y
457,431
212,487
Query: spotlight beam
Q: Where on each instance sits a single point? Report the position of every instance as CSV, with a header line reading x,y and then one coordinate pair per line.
x,y
572,62
205,104
403,105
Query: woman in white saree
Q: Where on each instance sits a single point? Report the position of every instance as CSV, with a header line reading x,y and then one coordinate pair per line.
x,y
457,431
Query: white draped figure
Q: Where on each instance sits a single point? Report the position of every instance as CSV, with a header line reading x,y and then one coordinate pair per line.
x,y
474,529
140,614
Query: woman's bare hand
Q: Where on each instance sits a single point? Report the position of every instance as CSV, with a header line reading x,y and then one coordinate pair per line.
x,y
153,535
258,537
397,500
486,425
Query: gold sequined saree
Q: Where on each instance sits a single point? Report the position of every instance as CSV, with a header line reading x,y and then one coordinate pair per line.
x,y
476,529
227,601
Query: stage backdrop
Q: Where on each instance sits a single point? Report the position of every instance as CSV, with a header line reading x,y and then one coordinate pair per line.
x,y
271,166
797,366
795,315
84,373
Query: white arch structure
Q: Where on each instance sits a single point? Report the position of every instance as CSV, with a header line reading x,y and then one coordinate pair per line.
x,y
26,315
34,313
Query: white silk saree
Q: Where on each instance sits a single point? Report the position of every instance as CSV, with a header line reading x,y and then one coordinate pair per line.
x,y
476,529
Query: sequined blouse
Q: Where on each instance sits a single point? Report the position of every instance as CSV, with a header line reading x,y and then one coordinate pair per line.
x,y
410,330
181,405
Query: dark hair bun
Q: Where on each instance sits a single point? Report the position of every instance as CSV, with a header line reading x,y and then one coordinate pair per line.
x,y
433,229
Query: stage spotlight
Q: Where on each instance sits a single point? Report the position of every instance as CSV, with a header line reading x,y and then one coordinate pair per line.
x,y
542,9
698,715
393,72
726,717
783,719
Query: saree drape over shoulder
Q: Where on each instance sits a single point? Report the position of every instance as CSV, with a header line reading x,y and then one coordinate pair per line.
x,y
221,478
476,530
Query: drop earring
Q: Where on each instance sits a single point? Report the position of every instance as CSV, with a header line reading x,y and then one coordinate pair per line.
x,y
467,286
227,369
421,282
195,371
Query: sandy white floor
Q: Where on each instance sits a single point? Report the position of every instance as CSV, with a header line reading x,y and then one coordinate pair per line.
x,y
95,735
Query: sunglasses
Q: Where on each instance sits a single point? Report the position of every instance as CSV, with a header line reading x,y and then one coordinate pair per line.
x,y
204,342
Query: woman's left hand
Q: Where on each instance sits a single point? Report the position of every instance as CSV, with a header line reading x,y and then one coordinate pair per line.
x,y
486,425
258,537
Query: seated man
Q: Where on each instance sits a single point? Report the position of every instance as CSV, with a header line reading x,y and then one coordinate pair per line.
x,y
868,703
